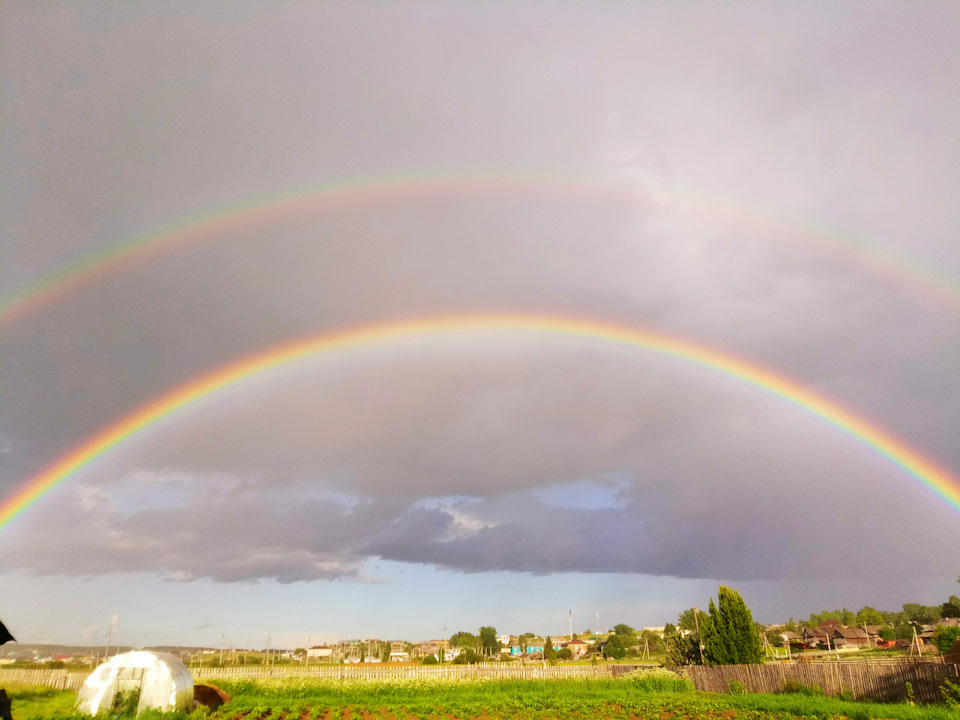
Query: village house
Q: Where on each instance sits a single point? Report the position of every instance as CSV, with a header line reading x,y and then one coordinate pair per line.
x,y
398,652
577,646
849,637
320,651
788,638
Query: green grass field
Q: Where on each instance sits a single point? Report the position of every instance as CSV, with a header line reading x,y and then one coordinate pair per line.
x,y
645,696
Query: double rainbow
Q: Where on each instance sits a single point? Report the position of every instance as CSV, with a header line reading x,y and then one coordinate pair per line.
x,y
379,336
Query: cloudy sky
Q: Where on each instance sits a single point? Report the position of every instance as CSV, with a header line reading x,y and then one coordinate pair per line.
x,y
774,182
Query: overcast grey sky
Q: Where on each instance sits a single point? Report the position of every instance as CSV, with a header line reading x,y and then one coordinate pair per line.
x,y
773,181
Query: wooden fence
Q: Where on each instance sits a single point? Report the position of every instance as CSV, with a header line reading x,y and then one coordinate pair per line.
x,y
881,681
60,679
876,680
375,671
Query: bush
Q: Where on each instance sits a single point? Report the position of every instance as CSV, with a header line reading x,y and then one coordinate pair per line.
x,y
429,660
126,703
467,657
951,694
944,637
792,685
737,688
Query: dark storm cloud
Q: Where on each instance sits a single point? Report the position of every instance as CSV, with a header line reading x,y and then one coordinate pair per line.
x,y
119,120
765,496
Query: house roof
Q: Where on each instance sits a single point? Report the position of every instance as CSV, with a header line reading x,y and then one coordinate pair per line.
x,y
789,635
850,633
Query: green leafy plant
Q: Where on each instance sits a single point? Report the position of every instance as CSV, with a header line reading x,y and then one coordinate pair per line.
x,y
951,694
126,703
737,688
794,686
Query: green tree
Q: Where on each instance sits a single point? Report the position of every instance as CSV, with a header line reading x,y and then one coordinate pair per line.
x,y
524,641
944,637
467,656
730,637
565,653
669,629
922,614
951,608
688,620
627,635
817,618
652,640
549,653
615,647
904,631
681,648
868,616
488,641
464,640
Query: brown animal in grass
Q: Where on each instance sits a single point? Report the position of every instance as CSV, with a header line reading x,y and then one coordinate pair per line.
x,y
209,696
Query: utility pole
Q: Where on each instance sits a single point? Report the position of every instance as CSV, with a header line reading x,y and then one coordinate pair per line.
x,y
696,619
571,624
106,651
598,623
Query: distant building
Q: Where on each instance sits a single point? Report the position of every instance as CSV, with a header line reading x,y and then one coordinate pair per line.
x,y
577,647
320,651
846,637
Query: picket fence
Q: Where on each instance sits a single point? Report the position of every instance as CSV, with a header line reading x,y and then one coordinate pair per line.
x,y
60,679
884,681
374,671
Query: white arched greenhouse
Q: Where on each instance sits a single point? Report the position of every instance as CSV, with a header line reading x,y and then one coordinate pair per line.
x,y
162,681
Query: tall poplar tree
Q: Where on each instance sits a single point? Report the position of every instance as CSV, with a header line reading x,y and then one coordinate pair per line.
x,y
731,638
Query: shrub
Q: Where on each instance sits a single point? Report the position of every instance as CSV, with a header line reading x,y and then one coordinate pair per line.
x,y
944,637
737,688
951,694
429,660
792,685
126,703
467,657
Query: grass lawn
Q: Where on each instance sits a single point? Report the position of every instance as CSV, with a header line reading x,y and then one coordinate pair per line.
x,y
649,695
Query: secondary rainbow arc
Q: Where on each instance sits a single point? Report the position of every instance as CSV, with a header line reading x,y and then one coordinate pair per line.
x,y
88,269
927,471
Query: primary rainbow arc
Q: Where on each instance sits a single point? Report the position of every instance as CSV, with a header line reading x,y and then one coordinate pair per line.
x,y
926,471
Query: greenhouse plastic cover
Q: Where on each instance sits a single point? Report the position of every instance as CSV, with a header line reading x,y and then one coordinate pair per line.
x,y
164,683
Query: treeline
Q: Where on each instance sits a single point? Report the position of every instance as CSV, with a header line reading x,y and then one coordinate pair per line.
x,y
727,634
895,625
